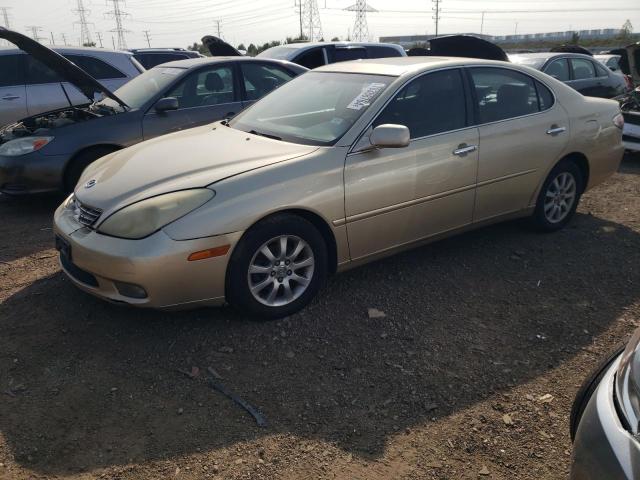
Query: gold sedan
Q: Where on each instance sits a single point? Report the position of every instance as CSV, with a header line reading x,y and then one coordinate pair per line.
x,y
345,164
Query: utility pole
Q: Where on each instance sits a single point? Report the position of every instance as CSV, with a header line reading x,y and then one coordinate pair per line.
x,y
35,32
85,35
515,31
218,27
482,23
146,34
64,39
360,28
113,41
118,15
99,35
53,42
436,13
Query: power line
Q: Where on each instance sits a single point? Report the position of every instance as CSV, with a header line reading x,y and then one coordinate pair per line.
x,y
436,13
360,27
85,35
118,16
146,34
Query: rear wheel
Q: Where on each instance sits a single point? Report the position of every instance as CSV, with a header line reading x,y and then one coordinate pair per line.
x,y
82,161
277,268
558,198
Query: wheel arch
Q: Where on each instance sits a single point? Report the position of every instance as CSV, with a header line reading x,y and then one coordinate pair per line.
x,y
582,162
73,158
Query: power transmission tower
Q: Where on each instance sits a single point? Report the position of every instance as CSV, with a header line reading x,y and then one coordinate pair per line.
x,y
85,35
118,16
99,35
436,13
5,17
310,18
360,28
64,39
146,34
35,32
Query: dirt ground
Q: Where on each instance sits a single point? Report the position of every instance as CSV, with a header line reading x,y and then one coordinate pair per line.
x,y
470,374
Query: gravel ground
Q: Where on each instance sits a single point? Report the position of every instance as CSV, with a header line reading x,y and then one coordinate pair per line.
x,y
469,374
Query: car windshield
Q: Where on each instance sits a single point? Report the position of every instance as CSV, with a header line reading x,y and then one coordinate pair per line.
x,y
533,62
145,86
316,108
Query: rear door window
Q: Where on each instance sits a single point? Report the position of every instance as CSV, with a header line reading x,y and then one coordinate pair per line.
x,y
431,104
95,67
601,70
502,94
582,69
376,51
38,73
12,68
558,69
311,59
260,79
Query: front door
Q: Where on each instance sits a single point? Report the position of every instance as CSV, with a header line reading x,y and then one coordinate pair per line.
x,y
204,96
396,196
521,132
13,95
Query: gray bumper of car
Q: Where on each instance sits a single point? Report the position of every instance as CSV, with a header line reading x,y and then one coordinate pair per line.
x,y
31,173
603,449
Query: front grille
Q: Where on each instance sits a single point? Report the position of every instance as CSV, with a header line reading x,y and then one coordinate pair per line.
x,y
87,215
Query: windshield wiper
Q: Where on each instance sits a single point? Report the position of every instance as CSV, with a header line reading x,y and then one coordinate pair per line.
x,y
274,137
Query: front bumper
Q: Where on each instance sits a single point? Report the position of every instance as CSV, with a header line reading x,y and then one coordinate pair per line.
x,y
31,173
602,447
157,263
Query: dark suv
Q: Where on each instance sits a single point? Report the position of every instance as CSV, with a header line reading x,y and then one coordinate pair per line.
x,y
314,55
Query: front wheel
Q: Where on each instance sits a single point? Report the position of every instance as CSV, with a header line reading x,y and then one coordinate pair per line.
x,y
558,198
277,268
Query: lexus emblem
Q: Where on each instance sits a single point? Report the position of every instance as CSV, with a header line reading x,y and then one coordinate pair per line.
x,y
90,183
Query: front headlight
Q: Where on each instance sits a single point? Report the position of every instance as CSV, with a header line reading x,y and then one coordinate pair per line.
x,y
628,383
143,218
24,145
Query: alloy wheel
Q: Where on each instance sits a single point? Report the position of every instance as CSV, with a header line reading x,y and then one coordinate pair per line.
x,y
281,270
560,197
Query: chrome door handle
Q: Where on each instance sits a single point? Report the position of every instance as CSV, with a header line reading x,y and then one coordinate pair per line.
x,y
463,150
556,130
10,97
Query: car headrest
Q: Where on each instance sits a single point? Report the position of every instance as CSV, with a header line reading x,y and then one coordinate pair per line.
x,y
213,82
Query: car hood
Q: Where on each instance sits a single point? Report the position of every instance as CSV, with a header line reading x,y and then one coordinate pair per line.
x,y
466,46
219,48
192,158
67,70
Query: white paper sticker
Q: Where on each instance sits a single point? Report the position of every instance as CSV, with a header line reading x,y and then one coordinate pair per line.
x,y
365,96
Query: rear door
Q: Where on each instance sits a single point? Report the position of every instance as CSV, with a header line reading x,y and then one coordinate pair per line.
x,y
205,95
522,132
259,78
584,78
395,196
13,95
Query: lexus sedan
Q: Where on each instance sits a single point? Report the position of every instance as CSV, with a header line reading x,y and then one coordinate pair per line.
x,y
605,418
342,165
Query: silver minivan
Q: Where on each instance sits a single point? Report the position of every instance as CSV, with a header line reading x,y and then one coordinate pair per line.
x,y
28,87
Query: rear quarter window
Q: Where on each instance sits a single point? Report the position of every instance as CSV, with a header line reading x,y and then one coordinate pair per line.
x,y
545,97
95,67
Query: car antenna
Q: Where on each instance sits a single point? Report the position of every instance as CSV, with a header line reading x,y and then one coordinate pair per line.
x,y
64,90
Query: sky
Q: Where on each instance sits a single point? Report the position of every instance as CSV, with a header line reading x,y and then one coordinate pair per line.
x,y
179,23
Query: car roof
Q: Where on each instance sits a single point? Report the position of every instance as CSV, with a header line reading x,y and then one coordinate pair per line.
x,y
397,66
549,55
196,62
80,50
338,44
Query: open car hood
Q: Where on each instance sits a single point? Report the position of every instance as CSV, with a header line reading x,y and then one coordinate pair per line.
x,y
629,60
466,46
571,49
67,70
219,48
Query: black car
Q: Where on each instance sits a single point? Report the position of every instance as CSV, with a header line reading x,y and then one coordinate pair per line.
x,y
49,151
580,71
151,57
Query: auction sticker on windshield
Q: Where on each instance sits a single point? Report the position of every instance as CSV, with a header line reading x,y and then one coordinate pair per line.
x,y
364,98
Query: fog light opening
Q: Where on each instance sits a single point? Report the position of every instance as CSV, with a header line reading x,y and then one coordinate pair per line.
x,y
209,253
130,290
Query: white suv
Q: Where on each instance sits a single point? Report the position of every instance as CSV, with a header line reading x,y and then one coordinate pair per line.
x,y
27,87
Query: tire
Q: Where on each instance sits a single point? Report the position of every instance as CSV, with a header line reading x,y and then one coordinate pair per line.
x,y
295,277
587,388
80,162
550,219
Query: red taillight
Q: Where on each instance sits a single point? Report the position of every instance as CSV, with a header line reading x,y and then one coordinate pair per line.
x,y
618,121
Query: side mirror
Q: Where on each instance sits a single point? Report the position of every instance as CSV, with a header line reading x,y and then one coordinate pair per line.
x,y
390,136
166,104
